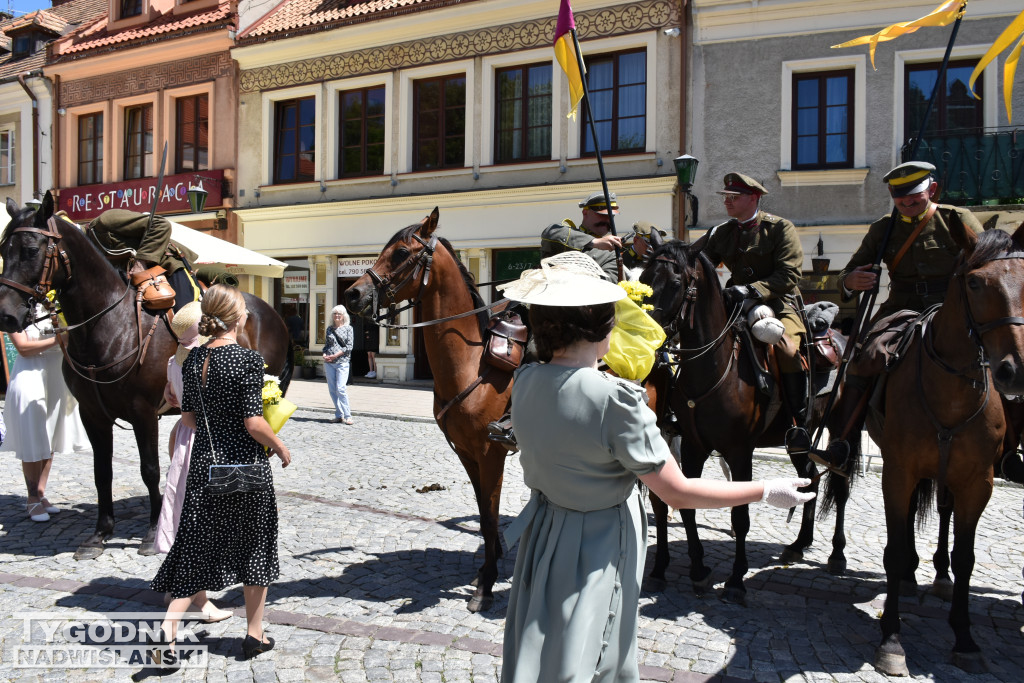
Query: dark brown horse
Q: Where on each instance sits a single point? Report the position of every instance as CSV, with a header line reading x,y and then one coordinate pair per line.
x,y
118,357
418,266
969,354
709,396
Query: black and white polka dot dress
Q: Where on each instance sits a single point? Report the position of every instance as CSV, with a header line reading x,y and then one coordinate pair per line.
x,y
229,539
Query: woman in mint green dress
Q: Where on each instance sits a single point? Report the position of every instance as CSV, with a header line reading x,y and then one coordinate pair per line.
x,y
585,438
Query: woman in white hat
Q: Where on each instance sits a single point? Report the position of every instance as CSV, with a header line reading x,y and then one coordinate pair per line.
x,y
186,328
585,439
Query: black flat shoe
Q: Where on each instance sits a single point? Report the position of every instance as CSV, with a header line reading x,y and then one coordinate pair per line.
x,y
252,647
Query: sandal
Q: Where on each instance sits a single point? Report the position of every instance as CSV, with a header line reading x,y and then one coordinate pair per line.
x,y
48,506
34,512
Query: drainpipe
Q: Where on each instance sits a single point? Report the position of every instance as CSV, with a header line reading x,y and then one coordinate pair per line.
x,y
684,35
35,129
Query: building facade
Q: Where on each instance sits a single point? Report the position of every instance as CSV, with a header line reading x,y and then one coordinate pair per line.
x,y
355,122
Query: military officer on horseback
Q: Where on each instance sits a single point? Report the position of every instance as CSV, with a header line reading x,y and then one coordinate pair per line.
x,y
920,257
640,243
591,236
764,258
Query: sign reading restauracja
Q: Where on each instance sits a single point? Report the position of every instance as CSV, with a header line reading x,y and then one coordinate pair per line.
x,y
89,201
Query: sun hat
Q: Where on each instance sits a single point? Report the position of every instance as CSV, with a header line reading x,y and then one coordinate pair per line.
x,y
185,326
568,279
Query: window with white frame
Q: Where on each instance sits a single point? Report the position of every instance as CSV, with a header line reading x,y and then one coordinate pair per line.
x,y
90,148
191,133
294,158
617,84
522,113
362,131
954,109
138,141
6,157
439,122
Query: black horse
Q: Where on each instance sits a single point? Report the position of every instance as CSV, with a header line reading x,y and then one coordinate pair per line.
x,y
116,359
710,397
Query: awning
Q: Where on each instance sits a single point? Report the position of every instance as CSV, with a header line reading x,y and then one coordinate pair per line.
x,y
236,259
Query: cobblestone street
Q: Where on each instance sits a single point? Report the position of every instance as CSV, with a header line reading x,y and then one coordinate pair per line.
x,y
374,576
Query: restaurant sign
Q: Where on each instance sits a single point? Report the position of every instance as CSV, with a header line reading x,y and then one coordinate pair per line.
x,y
89,201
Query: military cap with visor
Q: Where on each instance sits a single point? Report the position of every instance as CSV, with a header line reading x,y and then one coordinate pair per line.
x,y
909,178
737,183
597,203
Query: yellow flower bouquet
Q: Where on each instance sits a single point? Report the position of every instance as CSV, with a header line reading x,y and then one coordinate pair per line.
x,y
276,408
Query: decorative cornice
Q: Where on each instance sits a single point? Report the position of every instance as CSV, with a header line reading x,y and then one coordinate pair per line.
x,y
174,74
839,176
610,21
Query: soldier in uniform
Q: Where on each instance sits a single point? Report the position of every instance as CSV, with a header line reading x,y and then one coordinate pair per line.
x,y
644,239
118,231
591,236
920,257
764,258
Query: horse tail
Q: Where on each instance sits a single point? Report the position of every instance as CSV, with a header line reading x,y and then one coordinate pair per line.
x,y
838,487
286,371
921,503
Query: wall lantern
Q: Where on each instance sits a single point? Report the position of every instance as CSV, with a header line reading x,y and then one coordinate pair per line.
x,y
686,171
197,197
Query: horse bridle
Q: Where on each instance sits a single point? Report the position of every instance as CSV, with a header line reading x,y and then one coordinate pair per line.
x,y
55,258
418,265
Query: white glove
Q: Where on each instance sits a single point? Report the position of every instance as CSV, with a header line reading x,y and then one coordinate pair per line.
x,y
782,493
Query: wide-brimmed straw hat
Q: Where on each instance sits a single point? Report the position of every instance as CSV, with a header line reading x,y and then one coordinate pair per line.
x,y
185,326
567,279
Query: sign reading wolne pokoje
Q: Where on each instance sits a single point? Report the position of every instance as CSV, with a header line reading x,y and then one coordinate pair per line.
x,y
89,201
355,266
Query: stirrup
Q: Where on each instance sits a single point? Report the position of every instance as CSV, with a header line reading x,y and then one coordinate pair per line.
x,y
798,441
500,431
835,457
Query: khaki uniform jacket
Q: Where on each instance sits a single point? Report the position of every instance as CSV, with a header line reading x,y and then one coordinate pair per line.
x,y
119,229
767,258
931,258
560,237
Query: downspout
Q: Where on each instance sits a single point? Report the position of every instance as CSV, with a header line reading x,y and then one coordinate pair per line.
x,y
35,130
684,51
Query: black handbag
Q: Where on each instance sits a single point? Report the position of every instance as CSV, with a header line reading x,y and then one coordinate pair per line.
x,y
238,478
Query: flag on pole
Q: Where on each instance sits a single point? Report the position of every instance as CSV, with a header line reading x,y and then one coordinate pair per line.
x,y
565,53
1015,31
943,15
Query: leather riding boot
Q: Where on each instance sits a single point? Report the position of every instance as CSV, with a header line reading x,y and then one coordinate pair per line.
x,y
794,391
501,431
851,410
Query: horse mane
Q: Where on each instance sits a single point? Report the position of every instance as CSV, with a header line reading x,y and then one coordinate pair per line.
x,y
15,222
991,244
406,233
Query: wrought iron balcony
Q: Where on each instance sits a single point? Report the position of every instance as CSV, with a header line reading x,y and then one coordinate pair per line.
x,y
980,167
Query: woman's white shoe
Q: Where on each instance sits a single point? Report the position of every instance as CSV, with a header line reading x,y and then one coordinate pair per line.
x,y
37,513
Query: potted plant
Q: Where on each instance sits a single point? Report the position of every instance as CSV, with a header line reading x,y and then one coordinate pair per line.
x,y
307,368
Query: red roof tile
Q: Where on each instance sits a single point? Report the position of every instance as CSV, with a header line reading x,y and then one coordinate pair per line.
x,y
97,35
40,19
304,16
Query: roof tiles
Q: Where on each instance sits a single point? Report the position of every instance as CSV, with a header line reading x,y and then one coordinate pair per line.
x,y
300,16
98,35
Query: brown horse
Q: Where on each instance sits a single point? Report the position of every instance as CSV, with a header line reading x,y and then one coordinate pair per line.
x,y
969,354
710,397
418,266
116,360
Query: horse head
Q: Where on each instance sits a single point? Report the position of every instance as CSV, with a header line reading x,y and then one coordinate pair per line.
x,y
34,262
683,279
990,279
401,273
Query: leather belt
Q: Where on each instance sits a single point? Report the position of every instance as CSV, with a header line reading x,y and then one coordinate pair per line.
x,y
920,287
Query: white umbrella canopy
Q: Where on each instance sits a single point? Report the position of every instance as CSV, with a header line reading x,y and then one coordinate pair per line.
x,y
235,259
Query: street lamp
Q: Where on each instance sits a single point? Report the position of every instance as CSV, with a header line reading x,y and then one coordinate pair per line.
x,y
197,197
686,173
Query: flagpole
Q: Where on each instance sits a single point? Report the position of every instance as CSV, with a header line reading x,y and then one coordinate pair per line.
x,y
589,113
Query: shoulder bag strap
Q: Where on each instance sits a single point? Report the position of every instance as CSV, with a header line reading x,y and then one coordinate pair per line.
x,y
913,236
199,377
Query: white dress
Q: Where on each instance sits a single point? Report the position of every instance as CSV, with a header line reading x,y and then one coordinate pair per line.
x,y
177,472
40,412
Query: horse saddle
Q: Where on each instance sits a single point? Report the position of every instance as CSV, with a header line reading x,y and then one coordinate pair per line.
x,y
886,344
505,341
156,293
827,350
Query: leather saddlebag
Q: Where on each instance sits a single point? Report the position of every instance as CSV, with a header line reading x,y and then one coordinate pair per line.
x,y
505,341
157,293
828,351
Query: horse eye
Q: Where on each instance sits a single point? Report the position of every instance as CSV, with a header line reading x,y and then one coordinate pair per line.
x,y
400,255
974,282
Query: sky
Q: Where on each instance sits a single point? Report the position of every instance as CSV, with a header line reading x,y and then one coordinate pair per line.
x,y
19,7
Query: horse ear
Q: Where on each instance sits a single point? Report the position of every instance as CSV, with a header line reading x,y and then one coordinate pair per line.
x,y
12,207
964,237
698,246
48,206
1018,237
429,224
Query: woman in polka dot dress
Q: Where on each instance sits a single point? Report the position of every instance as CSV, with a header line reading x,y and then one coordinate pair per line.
x,y
227,539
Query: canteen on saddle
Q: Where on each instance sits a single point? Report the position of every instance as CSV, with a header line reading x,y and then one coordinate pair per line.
x,y
505,341
157,294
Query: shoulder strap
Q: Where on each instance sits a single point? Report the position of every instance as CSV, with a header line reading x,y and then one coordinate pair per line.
x,y
199,377
913,236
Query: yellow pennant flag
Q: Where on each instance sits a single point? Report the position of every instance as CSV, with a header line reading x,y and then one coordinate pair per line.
x,y
943,15
1015,31
565,53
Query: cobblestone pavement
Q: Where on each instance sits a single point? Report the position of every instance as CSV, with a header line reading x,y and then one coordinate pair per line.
x,y
374,576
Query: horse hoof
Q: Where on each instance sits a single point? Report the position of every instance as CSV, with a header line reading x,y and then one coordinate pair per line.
x,y
88,552
971,662
480,603
908,589
734,596
147,548
791,555
891,664
836,566
702,586
943,588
